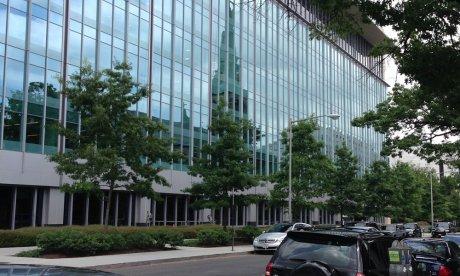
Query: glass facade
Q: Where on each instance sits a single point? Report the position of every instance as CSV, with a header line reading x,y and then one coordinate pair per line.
x,y
189,53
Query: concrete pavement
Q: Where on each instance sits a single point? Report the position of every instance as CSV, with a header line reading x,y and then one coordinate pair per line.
x,y
243,264
181,253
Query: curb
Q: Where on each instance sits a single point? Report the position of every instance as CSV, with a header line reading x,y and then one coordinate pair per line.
x,y
169,260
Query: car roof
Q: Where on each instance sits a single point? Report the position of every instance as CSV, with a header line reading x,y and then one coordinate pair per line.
x,y
433,240
347,232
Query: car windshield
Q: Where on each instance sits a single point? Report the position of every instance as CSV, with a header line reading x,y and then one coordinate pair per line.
x,y
336,254
409,225
432,248
442,224
277,228
391,227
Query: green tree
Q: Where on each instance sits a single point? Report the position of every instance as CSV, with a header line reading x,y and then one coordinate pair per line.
x,y
377,190
224,166
422,117
115,148
310,168
403,193
344,189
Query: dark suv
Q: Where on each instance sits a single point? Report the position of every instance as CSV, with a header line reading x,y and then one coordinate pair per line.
x,y
434,257
332,252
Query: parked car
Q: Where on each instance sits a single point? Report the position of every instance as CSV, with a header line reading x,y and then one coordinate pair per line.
x,y
453,238
376,225
272,238
362,229
441,229
395,230
413,230
331,252
434,257
11,269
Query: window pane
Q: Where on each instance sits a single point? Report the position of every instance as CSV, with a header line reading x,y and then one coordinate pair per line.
x,y
38,35
2,22
13,108
54,41
17,28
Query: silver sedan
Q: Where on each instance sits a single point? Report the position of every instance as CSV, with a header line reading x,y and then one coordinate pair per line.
x,y
272,238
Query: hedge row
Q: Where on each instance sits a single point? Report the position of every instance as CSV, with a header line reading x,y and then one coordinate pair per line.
x,y
78,243
28,236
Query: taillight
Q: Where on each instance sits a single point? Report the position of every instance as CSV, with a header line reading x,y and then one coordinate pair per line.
x,y
268,269
445,271
360,274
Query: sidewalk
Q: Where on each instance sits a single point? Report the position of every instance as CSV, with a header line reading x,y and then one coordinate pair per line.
x,y
6,256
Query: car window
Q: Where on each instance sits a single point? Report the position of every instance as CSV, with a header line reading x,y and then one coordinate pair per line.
x,y
453,238
434,248
278,228
334,253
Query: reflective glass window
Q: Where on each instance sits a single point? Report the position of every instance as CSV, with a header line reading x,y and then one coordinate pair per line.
x,y
38,35
54,41
13,105
2,22
17,28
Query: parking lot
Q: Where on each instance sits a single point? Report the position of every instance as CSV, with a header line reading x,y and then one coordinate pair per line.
x,y
241,264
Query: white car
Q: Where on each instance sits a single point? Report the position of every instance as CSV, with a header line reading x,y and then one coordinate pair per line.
x,y
272,238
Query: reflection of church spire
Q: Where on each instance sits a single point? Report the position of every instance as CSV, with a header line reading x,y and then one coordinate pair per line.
x,y
231,81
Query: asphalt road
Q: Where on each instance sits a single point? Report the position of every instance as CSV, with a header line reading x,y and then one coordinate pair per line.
x,y
241,264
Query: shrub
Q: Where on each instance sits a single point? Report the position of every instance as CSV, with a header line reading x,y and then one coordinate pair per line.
x,y
34,253
18,238
248,233
140,240
191,242
213,237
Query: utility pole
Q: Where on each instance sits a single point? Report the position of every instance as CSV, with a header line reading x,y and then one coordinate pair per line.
x,y
431,191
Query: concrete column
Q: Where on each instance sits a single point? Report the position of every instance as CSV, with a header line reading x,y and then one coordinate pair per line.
x,y
221,216
70,210
270,215
252,214
142,206
204,214
229,214
236,215
130,209
186,210
176,200
13,208
54,212
274,214
263,213
301,215
101,212
154,213
244,215
165,211
34,208
86,209
117,196
195,217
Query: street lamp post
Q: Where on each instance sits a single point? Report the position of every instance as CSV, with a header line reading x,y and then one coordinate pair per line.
x,y
431,195
291,122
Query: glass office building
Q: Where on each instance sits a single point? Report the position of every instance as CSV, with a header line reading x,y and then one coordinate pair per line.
x,y
257,55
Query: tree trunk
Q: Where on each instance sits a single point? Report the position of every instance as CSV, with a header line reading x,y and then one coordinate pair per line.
x,y
107,207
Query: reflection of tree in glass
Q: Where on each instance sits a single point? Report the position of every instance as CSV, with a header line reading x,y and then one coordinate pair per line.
x,y
35,101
